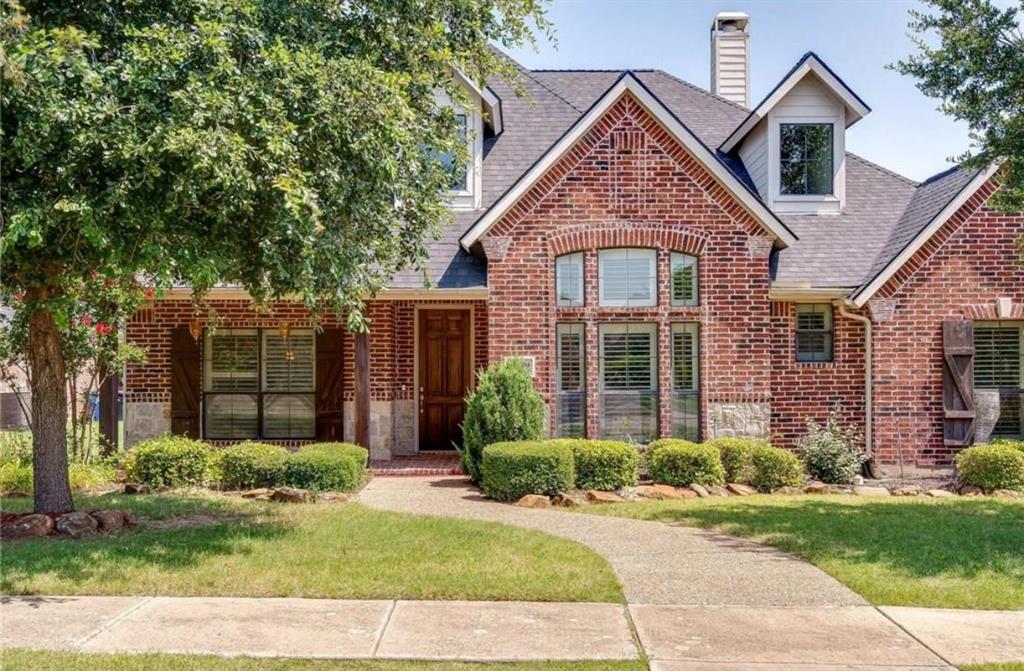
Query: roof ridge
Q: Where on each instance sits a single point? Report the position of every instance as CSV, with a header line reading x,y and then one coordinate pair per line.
x,y
939,175
619,70
882,169
529,74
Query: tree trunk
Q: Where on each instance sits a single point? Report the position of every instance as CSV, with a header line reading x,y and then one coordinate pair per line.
x,y
49,414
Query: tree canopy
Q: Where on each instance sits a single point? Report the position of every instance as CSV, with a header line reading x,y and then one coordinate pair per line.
x,y
971,56
280,145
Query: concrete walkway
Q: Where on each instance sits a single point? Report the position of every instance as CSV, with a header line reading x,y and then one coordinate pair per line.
x,y
655,562
675,638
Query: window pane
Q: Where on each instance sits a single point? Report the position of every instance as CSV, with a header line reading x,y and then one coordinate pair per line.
x,y
627,277
814,332
289,416
231,416
684,279
629,381
571,381
997,360
805,157
569,280
288,363
685,382
231,361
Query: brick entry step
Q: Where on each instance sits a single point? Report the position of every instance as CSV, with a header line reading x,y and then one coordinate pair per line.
x,y
420,464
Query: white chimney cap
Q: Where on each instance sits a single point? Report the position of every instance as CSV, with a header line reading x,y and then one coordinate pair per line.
x,y
731,21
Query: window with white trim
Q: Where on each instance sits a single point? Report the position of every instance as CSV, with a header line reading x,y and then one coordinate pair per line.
x,y
628,381
627,277
814,338
806,159
999,366
685,381
257,384
684,279
571,379
569,280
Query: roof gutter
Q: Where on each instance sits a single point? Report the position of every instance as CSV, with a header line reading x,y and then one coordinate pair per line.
x,y
868,381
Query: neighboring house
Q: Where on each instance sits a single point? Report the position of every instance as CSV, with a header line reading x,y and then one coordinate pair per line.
x,y
668,262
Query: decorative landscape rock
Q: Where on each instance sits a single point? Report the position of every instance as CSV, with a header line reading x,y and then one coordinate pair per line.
x,y
871,491
740,489
789,491
134,488
289,495
971,490
664,492
564,500
534,501
1007,494
77,524
718,490
28,526
817,488
597,496
110,521
907,490
260,494
332,497
940,493
700,491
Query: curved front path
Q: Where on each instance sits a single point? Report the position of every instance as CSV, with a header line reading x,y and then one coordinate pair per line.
x,y
656,563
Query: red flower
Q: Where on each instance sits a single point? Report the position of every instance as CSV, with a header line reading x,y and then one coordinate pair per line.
x,y
20,296
93,274
102,329
86,320
150,293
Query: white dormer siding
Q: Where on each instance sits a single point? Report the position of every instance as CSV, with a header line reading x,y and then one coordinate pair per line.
x,y
754,154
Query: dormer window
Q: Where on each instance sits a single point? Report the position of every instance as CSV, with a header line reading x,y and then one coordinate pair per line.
x,y
459,174
806,159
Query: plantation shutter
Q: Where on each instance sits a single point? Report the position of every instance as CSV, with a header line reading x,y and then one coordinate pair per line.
x,y
571,381
958,381
185,394
330,385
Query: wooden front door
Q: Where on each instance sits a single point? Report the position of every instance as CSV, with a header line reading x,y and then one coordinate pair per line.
x,y
445,375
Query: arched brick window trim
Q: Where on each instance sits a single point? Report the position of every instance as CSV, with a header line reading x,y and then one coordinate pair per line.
x,y
608,235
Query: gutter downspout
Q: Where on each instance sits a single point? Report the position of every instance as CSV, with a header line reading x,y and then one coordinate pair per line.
x,y
868,382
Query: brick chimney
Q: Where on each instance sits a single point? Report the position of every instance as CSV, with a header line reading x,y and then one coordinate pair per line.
x,y
730,57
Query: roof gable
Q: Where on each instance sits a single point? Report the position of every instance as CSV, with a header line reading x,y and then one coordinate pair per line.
x,y
627,83
808,65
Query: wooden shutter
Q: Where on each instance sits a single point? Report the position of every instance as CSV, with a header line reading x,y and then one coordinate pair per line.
x,y
185,366
330,384
958,381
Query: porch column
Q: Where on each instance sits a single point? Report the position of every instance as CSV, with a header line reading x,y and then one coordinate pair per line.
x,y
362,389
109,411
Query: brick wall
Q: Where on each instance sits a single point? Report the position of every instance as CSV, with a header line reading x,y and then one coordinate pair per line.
x,y
959,274
626,183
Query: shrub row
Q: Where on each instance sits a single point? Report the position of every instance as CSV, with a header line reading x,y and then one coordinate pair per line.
x,y
998,465
745,461
175,461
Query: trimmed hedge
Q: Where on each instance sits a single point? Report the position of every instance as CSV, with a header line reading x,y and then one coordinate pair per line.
x,y
686,464
251,465
605,465
510,471
993,466
168,461
336,467
775,467
737,457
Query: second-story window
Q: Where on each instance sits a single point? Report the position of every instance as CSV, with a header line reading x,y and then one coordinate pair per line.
x,y
459,174
628,277
569,280
684,279
806,160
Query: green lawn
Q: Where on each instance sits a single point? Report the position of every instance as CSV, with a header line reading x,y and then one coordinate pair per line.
x,y
1006,666
245,548
23,660
950,553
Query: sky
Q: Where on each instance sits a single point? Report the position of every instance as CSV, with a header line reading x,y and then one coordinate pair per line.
x,y
905,131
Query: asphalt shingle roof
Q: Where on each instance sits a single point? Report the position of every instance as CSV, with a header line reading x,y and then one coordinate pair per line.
x,y
883,211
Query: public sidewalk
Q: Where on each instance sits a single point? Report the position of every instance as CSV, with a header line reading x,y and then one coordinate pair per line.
x,y
675,638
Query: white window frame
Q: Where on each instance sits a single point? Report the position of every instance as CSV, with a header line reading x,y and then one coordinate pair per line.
x,y
625,253
566,259
470,197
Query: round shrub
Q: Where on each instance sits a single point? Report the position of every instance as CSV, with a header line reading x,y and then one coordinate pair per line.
x,y
504,407
774,468
737,457
685,465
251,465
995,466
326,467
606,465
168,461
510,471
832,451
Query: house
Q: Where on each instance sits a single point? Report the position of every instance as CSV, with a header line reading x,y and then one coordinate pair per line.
x,y
668,261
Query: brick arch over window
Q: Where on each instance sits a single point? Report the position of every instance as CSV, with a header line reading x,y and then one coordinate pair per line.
x,y
612,234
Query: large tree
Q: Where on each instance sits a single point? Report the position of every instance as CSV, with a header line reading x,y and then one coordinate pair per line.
x,y
275,144
971,56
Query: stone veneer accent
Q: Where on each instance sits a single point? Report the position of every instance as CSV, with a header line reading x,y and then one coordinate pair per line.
x,y
143,420
739,420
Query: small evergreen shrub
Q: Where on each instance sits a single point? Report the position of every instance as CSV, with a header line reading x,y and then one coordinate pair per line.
x,y
774,468
686,464
737,457
1012,442
831,451
606,465
504,407
251,465
326,467
168,461
992,466
510,471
